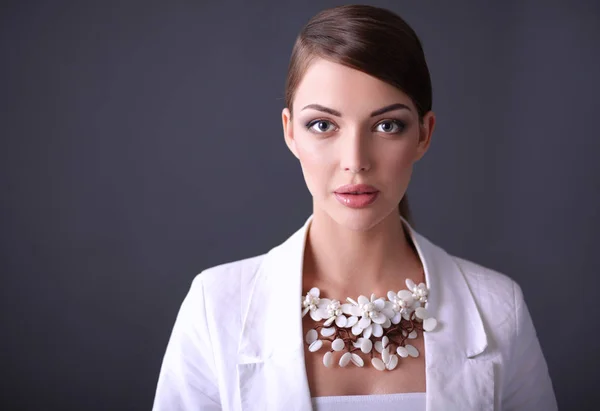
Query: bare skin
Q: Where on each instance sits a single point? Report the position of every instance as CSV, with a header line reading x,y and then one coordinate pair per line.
x,y
352,252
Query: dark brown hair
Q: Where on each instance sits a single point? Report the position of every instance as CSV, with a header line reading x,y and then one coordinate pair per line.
x,y
370,39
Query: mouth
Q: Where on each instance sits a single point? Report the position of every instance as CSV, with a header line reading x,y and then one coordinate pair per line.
x,y
356,192
356,195
356,189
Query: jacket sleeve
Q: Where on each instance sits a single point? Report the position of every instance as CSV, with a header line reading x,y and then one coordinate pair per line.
x,y
187,379
528,385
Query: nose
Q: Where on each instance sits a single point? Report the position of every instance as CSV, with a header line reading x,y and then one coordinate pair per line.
x,y
354,150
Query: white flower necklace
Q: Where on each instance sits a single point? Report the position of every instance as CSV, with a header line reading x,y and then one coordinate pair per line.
x,y
363,324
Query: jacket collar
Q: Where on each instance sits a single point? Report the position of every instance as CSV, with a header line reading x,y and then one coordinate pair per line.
x,y
271,355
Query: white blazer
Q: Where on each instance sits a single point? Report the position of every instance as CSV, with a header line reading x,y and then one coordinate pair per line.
x,y
225,351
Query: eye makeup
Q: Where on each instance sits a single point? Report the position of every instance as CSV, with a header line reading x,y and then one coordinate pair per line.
x,y
394,126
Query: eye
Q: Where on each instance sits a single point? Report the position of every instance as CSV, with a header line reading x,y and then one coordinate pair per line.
x,y
320,126
391,126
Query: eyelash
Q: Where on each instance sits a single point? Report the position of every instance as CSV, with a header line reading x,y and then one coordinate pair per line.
x,y
400,124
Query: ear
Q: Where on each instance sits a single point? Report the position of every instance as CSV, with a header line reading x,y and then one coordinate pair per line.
x,y
288,131
425,132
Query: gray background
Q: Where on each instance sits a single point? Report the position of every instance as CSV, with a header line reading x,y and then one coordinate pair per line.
x,y
141,143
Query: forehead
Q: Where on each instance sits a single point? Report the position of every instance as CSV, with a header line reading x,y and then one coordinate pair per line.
x,y
345,89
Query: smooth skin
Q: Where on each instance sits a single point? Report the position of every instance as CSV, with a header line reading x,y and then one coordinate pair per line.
x,y
348,127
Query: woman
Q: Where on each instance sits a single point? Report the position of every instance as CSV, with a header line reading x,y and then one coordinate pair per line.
x,y
387,319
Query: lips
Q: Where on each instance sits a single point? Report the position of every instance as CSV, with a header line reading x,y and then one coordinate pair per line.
x,y
356,195
356,189
357,200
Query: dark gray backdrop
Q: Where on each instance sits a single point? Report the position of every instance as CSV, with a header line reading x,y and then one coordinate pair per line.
x,y
141,143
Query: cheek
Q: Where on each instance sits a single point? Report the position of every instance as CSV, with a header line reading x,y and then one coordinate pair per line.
x,y
316,165
402,163
396,164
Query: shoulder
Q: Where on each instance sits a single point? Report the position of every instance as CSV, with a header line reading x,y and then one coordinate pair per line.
x,y
487,282
219,278
225,285
217,284
497,296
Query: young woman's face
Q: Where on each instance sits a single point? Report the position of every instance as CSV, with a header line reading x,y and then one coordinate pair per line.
x,y
348,127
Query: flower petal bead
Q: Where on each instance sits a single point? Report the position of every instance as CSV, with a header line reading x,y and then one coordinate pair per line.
x,y
352,321
358,342
368,331
362,300
379,318
378,364
311,337
315,346
329,321
396,318
387,323
379,304
402,352
388,312
322,311
412,351
341,321
429,324
410,284
406,295
315,292
314,314
345,359
385,356
421,313
412,335
338,344
356,330
348,309
305,311
357,360
328,359
364,322
378,347
385,341
392,363
351,301
327,332
366,346
391,295
377,330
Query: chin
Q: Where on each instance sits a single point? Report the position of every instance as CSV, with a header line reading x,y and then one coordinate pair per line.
x,y
363,219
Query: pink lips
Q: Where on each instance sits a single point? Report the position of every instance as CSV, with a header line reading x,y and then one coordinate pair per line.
x,y
356,195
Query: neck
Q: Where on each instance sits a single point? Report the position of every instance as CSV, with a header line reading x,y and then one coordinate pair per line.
x,y
343,258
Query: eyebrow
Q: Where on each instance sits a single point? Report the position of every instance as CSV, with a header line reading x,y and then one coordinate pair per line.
x,y
378,112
